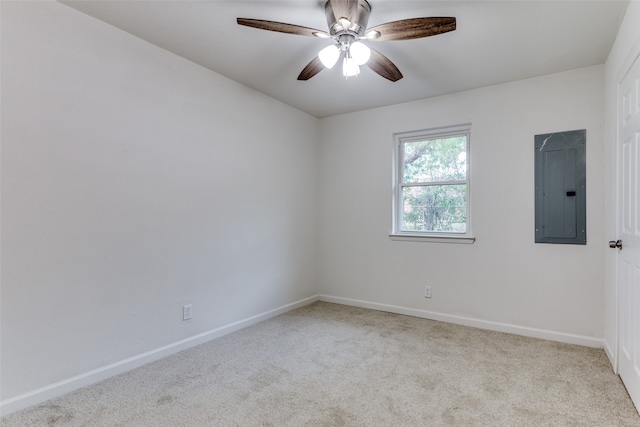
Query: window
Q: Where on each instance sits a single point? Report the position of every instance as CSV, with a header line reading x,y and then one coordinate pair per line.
x,y
431,191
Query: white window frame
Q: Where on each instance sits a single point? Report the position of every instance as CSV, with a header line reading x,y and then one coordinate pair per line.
x,y
398,184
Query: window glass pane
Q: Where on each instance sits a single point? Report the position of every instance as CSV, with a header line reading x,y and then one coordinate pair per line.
x,y
435,208
433,160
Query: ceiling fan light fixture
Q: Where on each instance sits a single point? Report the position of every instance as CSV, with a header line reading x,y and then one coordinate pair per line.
x,y
329,55
347,21
360,53
350,68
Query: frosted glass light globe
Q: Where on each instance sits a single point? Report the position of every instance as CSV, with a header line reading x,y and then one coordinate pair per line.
x,y
329,56
350,68
360,52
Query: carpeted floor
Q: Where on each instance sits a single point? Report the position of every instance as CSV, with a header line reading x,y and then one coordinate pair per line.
x,y
333,365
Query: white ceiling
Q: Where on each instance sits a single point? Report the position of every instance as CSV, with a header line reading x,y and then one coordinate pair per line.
x,y
495,42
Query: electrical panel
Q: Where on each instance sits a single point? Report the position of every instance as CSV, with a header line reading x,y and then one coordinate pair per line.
x,y
560,183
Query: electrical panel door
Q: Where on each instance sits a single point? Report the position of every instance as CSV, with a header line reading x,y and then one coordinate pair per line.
x,y
560,179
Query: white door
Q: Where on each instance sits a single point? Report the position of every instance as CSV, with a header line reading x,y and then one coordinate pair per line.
x,y
629,231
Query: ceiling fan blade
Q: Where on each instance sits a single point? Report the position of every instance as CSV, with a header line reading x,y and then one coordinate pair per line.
x,y
281,27
344,9
383,66
414,28
312,68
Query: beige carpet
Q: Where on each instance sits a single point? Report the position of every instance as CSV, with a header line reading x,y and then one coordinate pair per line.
x,y
332,365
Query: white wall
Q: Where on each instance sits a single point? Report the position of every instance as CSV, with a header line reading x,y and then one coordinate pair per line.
x,y
625,49
504,280
134,182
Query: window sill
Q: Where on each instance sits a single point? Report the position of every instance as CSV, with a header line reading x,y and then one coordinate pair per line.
x,y
465,240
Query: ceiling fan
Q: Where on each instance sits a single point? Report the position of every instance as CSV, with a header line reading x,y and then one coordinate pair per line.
x,y
347,20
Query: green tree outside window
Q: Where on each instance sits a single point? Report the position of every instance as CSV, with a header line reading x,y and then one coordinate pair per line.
x,y
434,185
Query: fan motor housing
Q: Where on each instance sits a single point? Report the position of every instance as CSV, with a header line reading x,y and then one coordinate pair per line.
x,y
358,27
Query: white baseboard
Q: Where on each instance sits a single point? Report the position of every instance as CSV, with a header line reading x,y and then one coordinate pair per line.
x,y
60,388
612,355
467,321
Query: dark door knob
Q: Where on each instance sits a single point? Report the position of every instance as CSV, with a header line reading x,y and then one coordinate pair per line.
x,y
615,244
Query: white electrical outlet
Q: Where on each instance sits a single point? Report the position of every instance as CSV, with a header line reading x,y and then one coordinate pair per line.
x,y
187,312
427,291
